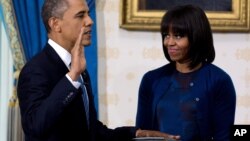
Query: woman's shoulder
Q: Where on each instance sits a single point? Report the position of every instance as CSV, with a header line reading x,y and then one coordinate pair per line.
x,y
161,71
214,70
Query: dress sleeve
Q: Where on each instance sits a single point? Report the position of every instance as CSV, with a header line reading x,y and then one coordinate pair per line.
x,y
144,115
224,108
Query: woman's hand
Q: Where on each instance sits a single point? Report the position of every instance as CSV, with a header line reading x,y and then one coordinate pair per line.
x,y
151,133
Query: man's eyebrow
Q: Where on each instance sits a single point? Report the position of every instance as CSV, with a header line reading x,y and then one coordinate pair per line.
x,y
81,12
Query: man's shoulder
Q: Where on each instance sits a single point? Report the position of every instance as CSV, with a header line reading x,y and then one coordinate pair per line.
x,y
39,60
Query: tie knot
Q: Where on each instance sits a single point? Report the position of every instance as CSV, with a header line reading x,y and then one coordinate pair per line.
x,y
80,79
70,65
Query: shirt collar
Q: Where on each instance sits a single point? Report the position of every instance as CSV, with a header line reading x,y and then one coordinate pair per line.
x,y
63,53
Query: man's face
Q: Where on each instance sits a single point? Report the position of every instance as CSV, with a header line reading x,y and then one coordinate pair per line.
x,y
74,18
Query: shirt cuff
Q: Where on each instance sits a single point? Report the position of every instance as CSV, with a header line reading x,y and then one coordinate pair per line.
x,y
76,84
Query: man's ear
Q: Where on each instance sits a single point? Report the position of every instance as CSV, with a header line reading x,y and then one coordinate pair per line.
x,y
54,24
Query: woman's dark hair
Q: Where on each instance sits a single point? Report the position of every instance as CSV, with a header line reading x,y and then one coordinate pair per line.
x,y
191,21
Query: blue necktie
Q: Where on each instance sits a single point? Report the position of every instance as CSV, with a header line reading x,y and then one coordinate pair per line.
x,y
85,98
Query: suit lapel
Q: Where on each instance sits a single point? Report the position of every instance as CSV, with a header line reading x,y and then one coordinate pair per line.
x,y
55,59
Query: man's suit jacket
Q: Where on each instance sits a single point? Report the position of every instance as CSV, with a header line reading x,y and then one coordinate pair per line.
x,y
52,109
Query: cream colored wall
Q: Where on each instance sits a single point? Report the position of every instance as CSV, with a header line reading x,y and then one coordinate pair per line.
x,y
124,56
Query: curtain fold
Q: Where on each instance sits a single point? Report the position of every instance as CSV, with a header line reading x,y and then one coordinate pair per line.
x,y
91,53
31,28
14,123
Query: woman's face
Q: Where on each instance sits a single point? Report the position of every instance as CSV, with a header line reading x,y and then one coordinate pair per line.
x,y
177,46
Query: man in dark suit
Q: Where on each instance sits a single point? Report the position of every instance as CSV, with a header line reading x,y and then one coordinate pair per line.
x,y
54,90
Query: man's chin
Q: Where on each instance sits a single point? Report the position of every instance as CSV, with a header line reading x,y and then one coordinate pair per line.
x,y
85,44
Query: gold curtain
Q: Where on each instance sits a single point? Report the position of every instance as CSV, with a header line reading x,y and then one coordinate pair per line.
x,y
15,132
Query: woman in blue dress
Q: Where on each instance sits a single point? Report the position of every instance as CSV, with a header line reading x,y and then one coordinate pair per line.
x,y
189,96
